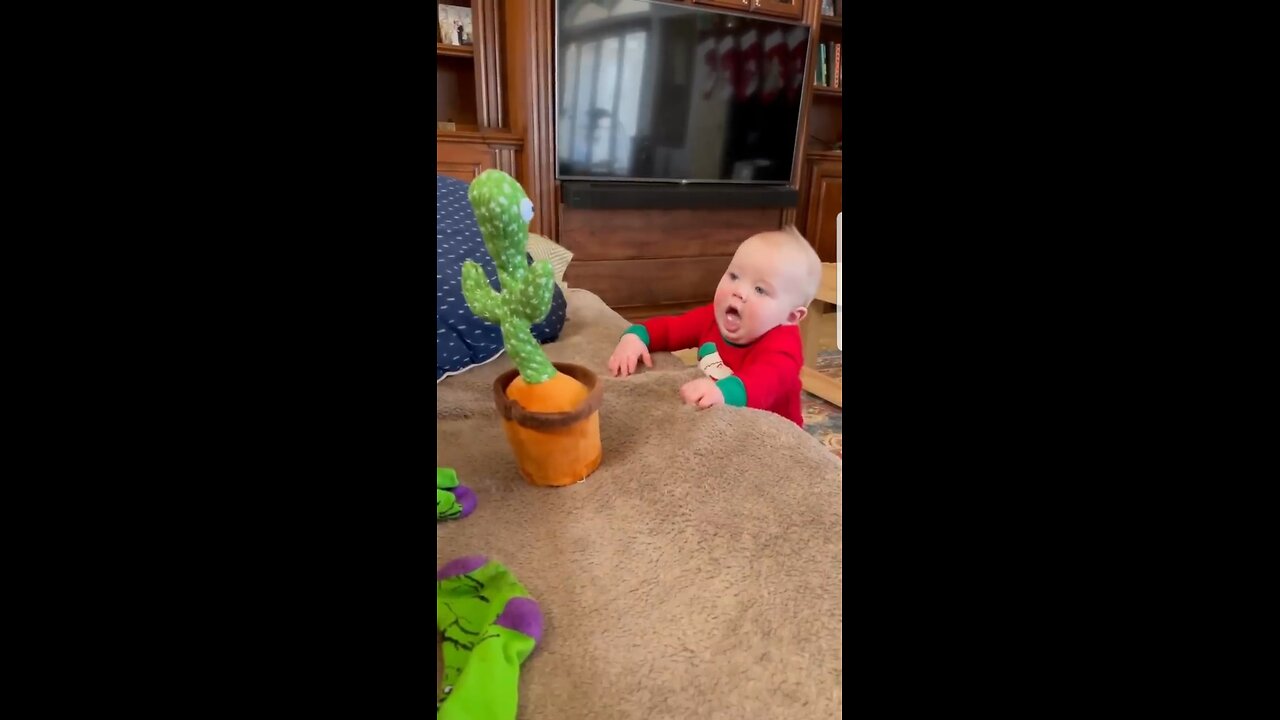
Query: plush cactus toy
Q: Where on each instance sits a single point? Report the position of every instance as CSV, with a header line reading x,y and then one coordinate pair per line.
x,y
503,211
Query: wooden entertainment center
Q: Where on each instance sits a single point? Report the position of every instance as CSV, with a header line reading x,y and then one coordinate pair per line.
x,y
499,94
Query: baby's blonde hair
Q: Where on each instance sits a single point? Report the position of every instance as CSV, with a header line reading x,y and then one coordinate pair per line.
x,y
810,275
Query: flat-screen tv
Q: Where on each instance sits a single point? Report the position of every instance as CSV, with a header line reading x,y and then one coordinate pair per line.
x,y
647,91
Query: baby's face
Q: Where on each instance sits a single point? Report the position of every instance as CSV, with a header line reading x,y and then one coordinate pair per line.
x,y
758,292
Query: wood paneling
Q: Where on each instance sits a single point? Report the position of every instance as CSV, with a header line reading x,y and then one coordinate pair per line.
x,y
823,201
654,260
644,312
623,283
743,5
488,51
465,155
790,9
640,234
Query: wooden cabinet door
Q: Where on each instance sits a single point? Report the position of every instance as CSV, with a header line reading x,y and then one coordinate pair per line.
x,y
465,155
824,203
790,9
464,161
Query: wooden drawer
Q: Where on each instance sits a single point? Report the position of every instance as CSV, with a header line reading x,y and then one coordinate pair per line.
x,y
641,234
464,162
464,155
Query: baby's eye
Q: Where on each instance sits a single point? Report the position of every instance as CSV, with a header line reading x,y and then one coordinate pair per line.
x,y
760,290
733,276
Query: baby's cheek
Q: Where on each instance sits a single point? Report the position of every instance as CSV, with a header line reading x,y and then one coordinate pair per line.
x,y
770,311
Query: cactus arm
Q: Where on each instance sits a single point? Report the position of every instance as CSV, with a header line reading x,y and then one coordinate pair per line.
x,y
534,299
483,300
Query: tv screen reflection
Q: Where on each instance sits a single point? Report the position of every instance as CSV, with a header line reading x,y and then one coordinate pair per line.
x,y
668,93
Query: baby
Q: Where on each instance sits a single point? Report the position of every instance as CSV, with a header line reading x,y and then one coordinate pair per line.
x,y
747,338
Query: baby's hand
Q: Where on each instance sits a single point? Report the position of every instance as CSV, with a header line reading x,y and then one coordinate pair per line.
x,y
701,392
625,357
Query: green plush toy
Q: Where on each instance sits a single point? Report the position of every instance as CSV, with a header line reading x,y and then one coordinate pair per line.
x,y
503,212
453,501
556,439
489,625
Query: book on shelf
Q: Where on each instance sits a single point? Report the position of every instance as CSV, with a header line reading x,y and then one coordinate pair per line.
x,y
828,74
835,67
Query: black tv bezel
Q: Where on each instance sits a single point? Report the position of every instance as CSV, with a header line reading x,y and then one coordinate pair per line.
x,y
555,115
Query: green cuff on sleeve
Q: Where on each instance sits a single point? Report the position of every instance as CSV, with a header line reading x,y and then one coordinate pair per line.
x,y
735,393
640,332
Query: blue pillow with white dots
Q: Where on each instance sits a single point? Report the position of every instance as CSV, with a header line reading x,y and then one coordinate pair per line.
x,y
462,339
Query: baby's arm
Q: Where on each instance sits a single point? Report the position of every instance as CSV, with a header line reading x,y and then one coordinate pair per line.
x,y
764,378
670,332
674,332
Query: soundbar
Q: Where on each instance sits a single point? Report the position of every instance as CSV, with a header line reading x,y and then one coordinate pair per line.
x,y
663,196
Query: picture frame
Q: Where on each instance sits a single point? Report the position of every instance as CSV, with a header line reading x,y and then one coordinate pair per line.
x,y
462,20
454,26
443,23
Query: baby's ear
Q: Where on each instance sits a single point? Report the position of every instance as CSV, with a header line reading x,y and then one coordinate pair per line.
x,y
795,316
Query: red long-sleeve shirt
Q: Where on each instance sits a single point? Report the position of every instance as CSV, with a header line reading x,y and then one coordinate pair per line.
x,y
766,373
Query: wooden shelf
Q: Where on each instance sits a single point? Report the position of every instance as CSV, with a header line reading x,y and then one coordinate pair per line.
x,y
835,21
822,90
462,51
462,129
472,134
825,155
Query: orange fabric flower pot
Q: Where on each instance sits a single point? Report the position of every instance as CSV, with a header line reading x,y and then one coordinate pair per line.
x,y
553,448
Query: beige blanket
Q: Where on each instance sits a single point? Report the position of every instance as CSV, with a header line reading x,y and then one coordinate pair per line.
x,y
695,575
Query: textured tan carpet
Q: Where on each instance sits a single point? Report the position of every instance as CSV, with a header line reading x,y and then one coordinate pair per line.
x,y
696,574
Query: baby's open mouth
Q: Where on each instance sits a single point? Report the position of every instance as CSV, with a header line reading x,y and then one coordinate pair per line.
x,y
732,318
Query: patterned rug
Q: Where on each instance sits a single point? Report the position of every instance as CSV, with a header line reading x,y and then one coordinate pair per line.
x,y
821,418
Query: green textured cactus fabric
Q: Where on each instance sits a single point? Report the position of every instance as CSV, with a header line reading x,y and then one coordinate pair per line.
x,y
503,212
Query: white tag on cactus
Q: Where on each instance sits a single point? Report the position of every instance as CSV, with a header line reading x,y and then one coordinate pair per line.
x,y
526,209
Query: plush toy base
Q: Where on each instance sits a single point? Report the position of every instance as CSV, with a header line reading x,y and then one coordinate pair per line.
x,y
554,449
556,458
